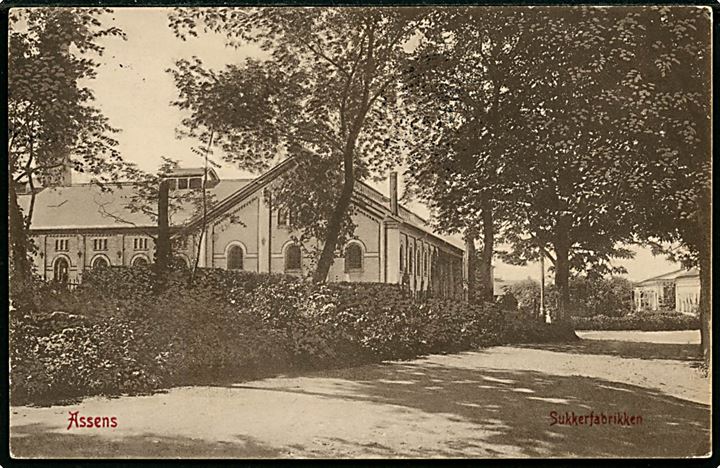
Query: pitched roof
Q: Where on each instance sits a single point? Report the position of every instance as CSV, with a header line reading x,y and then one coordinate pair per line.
x,y
379,201
86,206
667,276
692,272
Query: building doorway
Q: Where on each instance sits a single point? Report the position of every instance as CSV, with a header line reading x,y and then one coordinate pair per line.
x,y
61,270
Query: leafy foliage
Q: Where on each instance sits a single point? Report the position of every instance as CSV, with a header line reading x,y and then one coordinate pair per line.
x,y
52,54
123,332
645,321
52,123
588,142
325,94
589,296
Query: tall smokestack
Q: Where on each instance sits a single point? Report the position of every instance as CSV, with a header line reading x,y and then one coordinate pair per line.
x,y
393,193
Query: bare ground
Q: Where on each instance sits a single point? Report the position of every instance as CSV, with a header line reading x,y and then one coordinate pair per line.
x,y
490,403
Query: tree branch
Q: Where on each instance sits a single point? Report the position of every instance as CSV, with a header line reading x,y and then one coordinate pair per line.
x,y
104,212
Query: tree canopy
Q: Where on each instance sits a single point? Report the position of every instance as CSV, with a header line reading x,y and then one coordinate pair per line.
x,y
581,132
52,122
325,95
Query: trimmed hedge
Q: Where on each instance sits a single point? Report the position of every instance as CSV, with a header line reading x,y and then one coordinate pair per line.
x,y
641,321
124,330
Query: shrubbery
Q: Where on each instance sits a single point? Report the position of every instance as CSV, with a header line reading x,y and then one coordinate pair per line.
x,y
123,330
641,321
61,356
588,296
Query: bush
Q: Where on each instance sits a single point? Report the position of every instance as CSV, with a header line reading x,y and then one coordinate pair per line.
x,y
642,321
588,296
601,296
63,356
126,330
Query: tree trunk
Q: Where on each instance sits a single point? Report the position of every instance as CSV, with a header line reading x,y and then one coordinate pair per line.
x,y
486,256
163,250
705,264
204,212
470,257
562,269
21,270
327,257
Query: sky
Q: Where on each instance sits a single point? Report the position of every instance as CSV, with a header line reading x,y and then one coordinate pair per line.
x,y
134,91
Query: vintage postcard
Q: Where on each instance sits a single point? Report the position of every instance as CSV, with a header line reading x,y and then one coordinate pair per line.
x,y
367,232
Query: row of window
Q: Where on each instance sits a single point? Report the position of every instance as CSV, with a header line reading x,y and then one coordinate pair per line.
x,y
101,244
61,267
235,260
183,183
293,258
417,263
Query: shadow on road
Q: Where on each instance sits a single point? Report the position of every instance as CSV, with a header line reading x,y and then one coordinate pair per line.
x,y
625,349
484,412
511,411
38,441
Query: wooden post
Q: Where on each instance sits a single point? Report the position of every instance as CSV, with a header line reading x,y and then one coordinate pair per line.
x,y
542,289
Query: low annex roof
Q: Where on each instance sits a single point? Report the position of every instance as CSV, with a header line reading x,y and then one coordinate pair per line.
x,y
405,214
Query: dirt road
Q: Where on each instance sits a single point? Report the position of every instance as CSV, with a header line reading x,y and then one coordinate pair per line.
x,y
497,402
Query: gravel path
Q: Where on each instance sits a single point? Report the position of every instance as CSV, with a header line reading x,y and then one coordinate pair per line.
x,y
491,403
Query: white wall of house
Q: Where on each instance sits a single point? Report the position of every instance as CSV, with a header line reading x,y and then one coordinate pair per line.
x,y
648,297
255,227
687,294
651,295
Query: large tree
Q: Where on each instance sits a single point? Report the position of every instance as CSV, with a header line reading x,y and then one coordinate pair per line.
x,y
52,123
573,200
618,148
465,95
324,94
515,116
666,112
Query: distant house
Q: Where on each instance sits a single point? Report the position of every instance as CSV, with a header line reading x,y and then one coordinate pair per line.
x,y
678,290
79,226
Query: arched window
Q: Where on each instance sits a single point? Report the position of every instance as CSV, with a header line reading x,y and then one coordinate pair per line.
x,y
293,257
235,258
402,258
410,260
139,261
100,262
353,257
418,262
61,270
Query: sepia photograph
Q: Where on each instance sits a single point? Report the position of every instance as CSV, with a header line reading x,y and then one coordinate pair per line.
x,y
285,232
